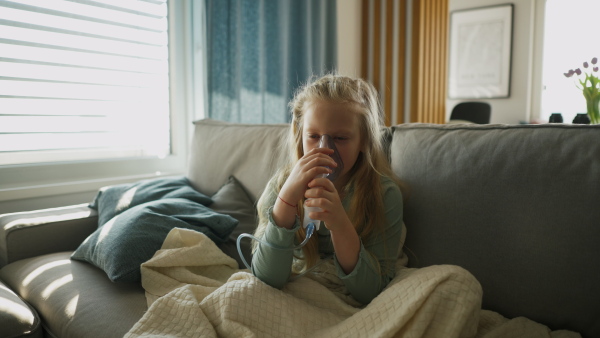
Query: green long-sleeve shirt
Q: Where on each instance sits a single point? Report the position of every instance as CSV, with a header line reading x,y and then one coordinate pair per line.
x,y
377,257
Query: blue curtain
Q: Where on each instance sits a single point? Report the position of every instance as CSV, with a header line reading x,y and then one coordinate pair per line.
x,y
259,51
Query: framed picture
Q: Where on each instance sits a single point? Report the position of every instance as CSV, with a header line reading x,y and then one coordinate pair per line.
x,y
480,52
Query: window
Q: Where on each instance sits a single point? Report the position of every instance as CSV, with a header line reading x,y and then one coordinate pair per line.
x,y
92,93
569,41
77,78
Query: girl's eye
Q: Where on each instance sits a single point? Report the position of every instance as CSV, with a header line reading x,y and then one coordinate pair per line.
x,y
340,138
314,136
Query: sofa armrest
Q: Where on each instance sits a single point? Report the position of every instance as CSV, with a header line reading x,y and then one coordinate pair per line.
x,y
39,232
18,318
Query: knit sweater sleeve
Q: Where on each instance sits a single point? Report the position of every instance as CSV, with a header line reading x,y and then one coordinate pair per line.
x,y
271,265
378,254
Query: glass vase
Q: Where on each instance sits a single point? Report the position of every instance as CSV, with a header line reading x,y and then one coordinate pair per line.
x,y
593,110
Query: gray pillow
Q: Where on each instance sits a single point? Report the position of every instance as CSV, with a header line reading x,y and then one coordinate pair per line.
x,y
132,237
233,200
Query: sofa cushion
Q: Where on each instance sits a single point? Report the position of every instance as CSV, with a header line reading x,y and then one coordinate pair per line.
x,y
233,200
517,206
17,317
75,299
250,152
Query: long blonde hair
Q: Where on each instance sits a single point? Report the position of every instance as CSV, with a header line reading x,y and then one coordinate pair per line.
x,y
367,214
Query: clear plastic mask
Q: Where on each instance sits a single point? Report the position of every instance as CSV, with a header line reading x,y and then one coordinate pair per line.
x,y
326,141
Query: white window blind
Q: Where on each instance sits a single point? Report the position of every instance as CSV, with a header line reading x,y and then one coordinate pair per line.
x,y
83,80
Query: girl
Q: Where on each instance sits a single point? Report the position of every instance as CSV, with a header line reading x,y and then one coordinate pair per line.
x,y
361,209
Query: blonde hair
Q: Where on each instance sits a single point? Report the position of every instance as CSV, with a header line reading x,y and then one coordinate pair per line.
x,y
367,214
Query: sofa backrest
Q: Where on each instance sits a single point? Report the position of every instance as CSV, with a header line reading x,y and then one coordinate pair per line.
x,y
516,205
250,152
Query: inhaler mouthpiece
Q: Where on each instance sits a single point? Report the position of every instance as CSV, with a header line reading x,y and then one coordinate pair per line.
x,y
326,141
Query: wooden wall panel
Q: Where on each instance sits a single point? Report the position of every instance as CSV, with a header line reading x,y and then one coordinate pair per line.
x,y
430,53
376,27
384,45
389,61
400,92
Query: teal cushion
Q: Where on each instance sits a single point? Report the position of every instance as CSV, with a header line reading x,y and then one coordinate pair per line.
x,y
111,201
141,219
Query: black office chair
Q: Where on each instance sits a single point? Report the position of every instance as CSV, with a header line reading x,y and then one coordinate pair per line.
x,y
476,112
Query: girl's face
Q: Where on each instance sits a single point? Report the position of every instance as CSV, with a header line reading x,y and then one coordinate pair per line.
x,y
338,120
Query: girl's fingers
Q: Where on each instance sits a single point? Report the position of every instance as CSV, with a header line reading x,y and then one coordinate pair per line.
x,y
321,188
317,171
322,182
322,153
326,151
312,164
322,203
315,193
320,160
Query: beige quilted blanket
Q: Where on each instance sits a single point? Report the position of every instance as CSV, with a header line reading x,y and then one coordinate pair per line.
x,y
195,290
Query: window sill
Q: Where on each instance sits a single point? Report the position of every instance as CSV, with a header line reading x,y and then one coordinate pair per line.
x,y
70,187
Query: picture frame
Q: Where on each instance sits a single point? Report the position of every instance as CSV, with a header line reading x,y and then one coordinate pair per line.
x,y
480,52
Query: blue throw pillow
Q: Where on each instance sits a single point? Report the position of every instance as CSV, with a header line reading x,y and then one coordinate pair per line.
x,y
132,237
134,219
111,201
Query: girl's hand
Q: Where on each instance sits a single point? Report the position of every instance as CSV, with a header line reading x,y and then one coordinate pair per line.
x,y
322,194
346,243
313,163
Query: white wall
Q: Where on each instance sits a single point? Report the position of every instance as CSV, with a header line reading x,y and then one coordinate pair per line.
x,y
349,27
517,107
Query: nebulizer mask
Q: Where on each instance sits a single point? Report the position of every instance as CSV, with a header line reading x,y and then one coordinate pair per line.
x,y
326,141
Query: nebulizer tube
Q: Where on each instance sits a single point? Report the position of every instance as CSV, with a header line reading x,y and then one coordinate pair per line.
x,y
309,231
309,224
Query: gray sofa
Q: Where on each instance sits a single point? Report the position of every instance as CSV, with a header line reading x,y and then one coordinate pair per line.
x,y
516,205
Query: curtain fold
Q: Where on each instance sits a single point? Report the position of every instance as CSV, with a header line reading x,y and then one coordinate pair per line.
x,y
259,51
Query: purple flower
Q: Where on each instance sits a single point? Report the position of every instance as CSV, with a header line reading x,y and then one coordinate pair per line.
x,y
585,65
578,71
594,60
595,69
